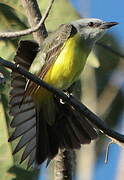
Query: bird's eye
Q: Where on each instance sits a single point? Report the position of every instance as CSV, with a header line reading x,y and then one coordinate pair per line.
x,y
90,24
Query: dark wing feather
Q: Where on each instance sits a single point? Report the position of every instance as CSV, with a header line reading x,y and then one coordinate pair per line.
x,y
24,117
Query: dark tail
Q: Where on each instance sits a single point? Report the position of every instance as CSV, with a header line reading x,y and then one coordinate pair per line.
x,y
69,130
47,139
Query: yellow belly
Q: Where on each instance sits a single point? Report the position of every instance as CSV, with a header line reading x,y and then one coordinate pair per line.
x,y
68,65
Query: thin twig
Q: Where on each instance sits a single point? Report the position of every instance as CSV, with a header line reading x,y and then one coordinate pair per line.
x,y
30,30
110,49
79,107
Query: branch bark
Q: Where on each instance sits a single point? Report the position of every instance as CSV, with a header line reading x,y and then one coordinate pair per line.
x,y
34,16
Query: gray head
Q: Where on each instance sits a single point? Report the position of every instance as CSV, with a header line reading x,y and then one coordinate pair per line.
x,y
91,28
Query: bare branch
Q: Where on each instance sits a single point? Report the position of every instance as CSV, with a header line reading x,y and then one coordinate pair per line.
x,y
79,107
30,30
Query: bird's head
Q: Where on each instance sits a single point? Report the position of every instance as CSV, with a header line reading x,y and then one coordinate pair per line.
x,y
91,28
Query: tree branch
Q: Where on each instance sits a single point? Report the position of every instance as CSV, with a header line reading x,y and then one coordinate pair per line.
x,y
30,30
79,107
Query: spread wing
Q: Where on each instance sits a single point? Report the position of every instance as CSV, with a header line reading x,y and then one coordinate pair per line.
x,y
24,117
51,49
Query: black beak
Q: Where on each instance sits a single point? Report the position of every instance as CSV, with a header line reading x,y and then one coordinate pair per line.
x,y
108,25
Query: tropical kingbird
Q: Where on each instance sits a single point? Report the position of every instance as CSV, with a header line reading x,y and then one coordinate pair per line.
x,y
45,123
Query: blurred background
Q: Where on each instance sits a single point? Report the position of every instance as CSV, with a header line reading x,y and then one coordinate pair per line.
x,y
101,87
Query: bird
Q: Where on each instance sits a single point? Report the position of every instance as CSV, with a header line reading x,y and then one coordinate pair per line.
x,y
44,123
